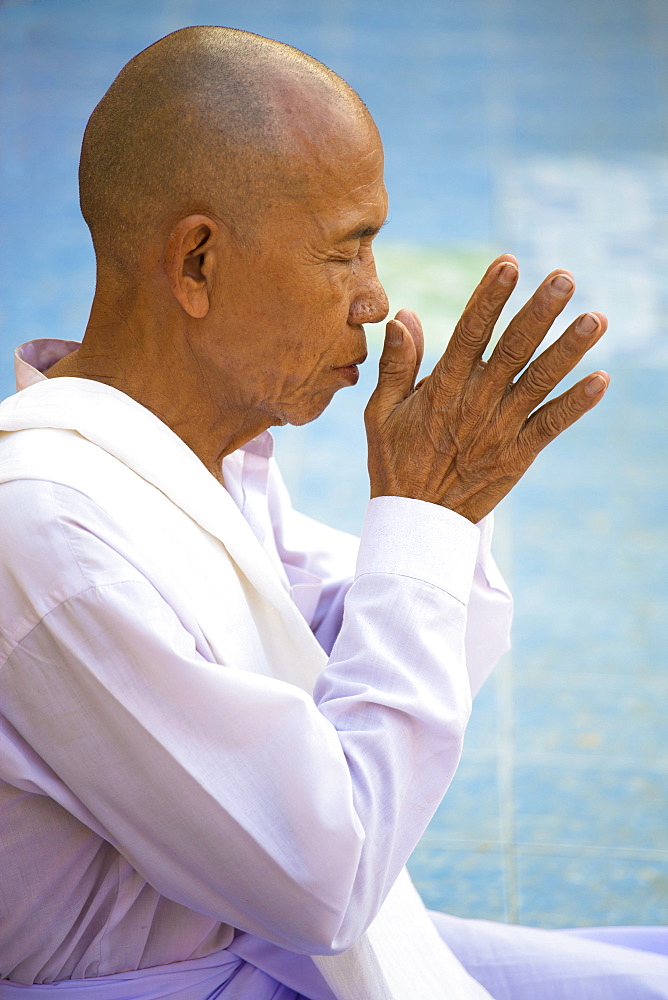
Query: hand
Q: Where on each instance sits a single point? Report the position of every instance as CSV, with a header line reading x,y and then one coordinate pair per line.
x,y
465,434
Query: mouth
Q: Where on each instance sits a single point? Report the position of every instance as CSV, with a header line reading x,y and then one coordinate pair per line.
x,y
350,373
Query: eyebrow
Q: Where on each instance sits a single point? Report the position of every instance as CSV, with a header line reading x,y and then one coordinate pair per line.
x,y
364,232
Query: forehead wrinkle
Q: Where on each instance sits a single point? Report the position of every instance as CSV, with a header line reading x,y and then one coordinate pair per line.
x,y
326,136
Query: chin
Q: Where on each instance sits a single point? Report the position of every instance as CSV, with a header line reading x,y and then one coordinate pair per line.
x,y
299,419
305,414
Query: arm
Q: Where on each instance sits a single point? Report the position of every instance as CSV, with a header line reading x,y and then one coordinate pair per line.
x,y
313,551
489,615
463,436
329,556
232,793
229,792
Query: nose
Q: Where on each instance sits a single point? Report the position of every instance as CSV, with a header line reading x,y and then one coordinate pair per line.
x,y
370,305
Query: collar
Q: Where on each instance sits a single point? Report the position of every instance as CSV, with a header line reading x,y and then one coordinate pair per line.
x,y
34,358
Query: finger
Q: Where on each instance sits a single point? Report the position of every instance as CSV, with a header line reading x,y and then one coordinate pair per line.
x,y
528,328
412,323
543,374
474,329
554,417
396,370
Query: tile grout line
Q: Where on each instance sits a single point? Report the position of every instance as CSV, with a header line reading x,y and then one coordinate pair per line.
x,y
505,746
549,849
507,790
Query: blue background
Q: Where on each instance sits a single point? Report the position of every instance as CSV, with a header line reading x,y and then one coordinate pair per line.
x,y
524,125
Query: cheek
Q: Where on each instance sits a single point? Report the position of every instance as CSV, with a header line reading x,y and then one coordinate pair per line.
x,y
314,324
289,323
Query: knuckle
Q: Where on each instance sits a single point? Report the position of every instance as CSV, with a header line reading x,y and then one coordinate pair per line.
x,y
513,351
471,328
571,404
543,308
537,382
477,316
393,367
466,338
552,425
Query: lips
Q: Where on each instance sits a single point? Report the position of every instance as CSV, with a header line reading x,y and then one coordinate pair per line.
x,y
350,373
353,364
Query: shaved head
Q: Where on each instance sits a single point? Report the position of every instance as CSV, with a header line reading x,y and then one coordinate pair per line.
x,y
210,120
233,187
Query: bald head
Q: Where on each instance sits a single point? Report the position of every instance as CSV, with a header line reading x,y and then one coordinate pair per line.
x,y
210,120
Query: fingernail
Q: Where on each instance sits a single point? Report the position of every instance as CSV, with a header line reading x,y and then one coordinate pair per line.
x,y
587,324
595,385
562,285
394,334
507,275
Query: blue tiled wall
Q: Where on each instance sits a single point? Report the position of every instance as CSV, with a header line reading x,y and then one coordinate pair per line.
x,y
520,125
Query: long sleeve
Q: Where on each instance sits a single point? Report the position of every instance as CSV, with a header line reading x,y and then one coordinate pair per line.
x,y
329,555
230,793
490,612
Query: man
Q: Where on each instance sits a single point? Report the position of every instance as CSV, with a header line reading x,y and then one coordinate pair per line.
x,y
210,771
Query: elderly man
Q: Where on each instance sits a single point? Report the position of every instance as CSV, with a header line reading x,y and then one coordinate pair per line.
x,y
212,772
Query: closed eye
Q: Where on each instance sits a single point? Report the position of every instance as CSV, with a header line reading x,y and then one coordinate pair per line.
x,y
364,233
363,237
348,257
344,260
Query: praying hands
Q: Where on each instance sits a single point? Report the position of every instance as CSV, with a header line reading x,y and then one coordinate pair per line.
x,y
466,433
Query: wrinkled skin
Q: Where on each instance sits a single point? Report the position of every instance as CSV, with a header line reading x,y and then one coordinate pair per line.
x,y
223,338
466,434
287,313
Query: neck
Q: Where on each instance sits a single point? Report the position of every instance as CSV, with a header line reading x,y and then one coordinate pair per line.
x,y
148,356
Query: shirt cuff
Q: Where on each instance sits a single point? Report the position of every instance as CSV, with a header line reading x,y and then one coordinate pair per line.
x,y
420,540
486,530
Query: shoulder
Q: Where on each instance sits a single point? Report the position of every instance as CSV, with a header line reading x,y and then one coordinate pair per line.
x,y
55,543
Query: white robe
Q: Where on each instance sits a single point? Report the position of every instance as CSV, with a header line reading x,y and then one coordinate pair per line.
x,y
124,750
315,804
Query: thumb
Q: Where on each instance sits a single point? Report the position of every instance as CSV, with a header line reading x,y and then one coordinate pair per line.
x,y
396,368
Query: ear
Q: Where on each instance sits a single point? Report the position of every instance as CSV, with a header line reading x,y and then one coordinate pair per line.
x,y
191,256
